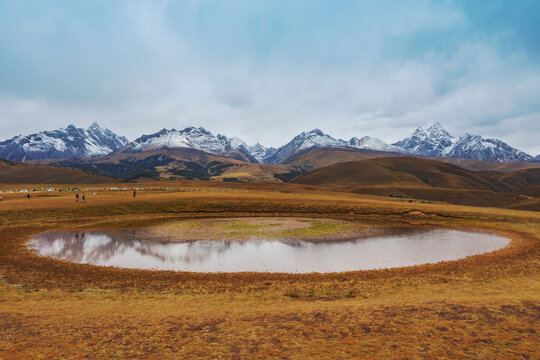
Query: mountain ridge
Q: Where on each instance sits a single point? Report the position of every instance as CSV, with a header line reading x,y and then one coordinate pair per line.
x,y
437,142
73,142
70,142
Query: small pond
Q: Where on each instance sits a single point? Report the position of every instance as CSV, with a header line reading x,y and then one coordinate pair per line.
x,y
128,249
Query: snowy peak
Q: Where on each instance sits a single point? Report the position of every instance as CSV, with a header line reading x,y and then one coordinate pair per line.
x,y
314,139
439,135
438,131
236,142
371,143
70,142
430,142
436,141
479,148
94,126
261,153
191,138
102,141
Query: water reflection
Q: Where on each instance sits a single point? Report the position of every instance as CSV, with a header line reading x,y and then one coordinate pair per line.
x,y
130,249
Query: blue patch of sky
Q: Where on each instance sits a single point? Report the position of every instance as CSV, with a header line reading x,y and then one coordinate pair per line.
x,y
94,50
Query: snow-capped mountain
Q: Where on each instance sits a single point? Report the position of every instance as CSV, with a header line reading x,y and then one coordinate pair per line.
x,y
371,143
436,141
430,142
236,142
73,142
314,139
261,153
191,138
70,142
479,148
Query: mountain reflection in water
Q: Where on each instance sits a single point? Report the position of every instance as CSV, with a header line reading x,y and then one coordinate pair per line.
x,y
130,249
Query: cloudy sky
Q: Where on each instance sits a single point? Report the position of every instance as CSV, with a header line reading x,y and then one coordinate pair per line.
x,y
267,70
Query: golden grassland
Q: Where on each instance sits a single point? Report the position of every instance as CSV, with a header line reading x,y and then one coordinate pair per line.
x,y
486,306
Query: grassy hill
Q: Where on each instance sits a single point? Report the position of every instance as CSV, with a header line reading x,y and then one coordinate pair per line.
x,y
401,171
18,173
314,159
429,180
488,165
319,158
520,179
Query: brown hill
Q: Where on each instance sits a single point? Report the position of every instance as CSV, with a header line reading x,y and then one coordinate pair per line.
x,y
23,173
401,171
520,179
422,179
447,195
489,166
319,158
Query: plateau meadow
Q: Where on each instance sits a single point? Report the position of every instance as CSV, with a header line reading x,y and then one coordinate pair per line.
x,y
483,306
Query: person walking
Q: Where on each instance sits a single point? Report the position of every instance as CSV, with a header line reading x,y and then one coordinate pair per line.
x,y
28,196
83,198
77,197
134,193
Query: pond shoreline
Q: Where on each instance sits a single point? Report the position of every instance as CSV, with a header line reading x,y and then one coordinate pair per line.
x,y
378,248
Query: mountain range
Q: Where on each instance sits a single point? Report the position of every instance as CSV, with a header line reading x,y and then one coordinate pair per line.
x,y
95,141
70,142
437,142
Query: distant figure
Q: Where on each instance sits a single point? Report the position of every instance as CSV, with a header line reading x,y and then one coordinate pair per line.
x,y
134,193
28,196
83,198
77,197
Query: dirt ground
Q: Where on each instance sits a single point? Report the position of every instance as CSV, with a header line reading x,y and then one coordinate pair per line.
x,y
485,306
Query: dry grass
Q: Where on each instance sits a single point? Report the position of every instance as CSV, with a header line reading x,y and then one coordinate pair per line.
x,y
252,228
484,306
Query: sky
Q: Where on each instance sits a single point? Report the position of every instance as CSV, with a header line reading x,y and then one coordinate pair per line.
x,y
267,70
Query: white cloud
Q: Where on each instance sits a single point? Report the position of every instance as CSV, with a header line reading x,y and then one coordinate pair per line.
x,y
267,81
